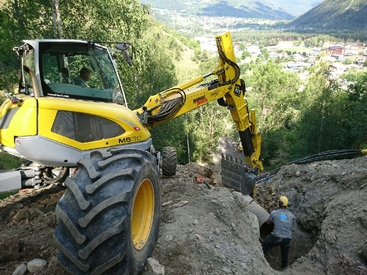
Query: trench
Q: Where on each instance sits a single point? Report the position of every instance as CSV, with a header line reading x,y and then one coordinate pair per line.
x,y
302,242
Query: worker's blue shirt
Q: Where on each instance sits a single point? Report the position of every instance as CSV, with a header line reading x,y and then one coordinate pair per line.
x,y
283,223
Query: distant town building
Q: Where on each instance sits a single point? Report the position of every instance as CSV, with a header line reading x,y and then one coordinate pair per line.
x,y
254,49
336,50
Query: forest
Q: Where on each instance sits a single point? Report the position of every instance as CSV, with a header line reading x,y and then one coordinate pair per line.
x,y
297,117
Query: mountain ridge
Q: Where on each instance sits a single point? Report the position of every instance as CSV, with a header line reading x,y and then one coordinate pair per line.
x,y
334,15
263,9
330,16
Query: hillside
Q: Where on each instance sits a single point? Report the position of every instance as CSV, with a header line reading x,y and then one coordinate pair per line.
x,y
210,230
334,15
262,9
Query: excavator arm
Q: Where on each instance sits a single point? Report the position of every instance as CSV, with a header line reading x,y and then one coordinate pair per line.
x,y
227,89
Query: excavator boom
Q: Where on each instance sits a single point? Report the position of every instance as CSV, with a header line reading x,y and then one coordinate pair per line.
x,y
227,89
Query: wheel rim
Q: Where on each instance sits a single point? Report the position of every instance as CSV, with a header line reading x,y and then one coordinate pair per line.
x,y
142,216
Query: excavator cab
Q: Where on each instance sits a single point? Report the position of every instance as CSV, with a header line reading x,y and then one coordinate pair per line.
x,y
52,68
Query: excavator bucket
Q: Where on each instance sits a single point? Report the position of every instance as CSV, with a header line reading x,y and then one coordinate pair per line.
x,y
238,175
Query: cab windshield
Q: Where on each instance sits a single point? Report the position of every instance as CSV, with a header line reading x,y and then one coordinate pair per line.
x,y
78,70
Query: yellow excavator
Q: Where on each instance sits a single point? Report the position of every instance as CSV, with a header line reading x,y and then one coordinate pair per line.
x,y
79,130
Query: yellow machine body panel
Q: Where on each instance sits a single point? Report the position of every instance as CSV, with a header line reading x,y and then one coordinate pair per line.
x,y
18,119
89,125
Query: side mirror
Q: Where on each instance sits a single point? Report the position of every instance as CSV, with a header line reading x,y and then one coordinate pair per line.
x,y
124,47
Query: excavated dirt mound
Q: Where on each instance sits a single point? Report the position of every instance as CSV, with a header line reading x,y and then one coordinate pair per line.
x,y
329,201
206,228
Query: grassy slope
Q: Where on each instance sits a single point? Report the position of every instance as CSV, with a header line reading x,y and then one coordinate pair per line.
x,y
335,14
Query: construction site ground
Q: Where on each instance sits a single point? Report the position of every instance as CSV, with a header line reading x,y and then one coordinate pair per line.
x,y
207,229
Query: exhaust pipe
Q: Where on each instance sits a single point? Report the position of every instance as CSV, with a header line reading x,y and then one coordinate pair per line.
x,y
262,216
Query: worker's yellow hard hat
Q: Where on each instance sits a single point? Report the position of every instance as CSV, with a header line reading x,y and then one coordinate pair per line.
x,y
283,201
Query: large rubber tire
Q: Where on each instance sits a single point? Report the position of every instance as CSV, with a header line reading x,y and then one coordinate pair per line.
x,y
108,219
169,161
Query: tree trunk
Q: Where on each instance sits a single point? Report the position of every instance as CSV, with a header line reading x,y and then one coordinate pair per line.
x,y
56,20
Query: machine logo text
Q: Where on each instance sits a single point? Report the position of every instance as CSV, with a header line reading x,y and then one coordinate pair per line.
x,y
130,139
200,100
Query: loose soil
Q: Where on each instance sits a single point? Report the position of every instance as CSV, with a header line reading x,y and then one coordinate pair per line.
x,y
207,229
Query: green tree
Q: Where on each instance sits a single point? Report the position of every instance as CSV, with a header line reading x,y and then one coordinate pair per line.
x,y
263,56
100,21
245,54
297,42
274,94
205,126
323,123
357,97
152,71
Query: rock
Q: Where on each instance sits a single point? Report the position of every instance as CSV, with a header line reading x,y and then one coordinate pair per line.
x,y
169,237
36,265
154,267
217,231
20,270
180,204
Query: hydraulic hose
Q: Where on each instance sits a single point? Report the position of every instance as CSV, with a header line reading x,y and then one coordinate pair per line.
x,y
170,107
327,155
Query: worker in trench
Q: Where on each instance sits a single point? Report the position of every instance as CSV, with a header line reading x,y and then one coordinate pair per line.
x,y
281,235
